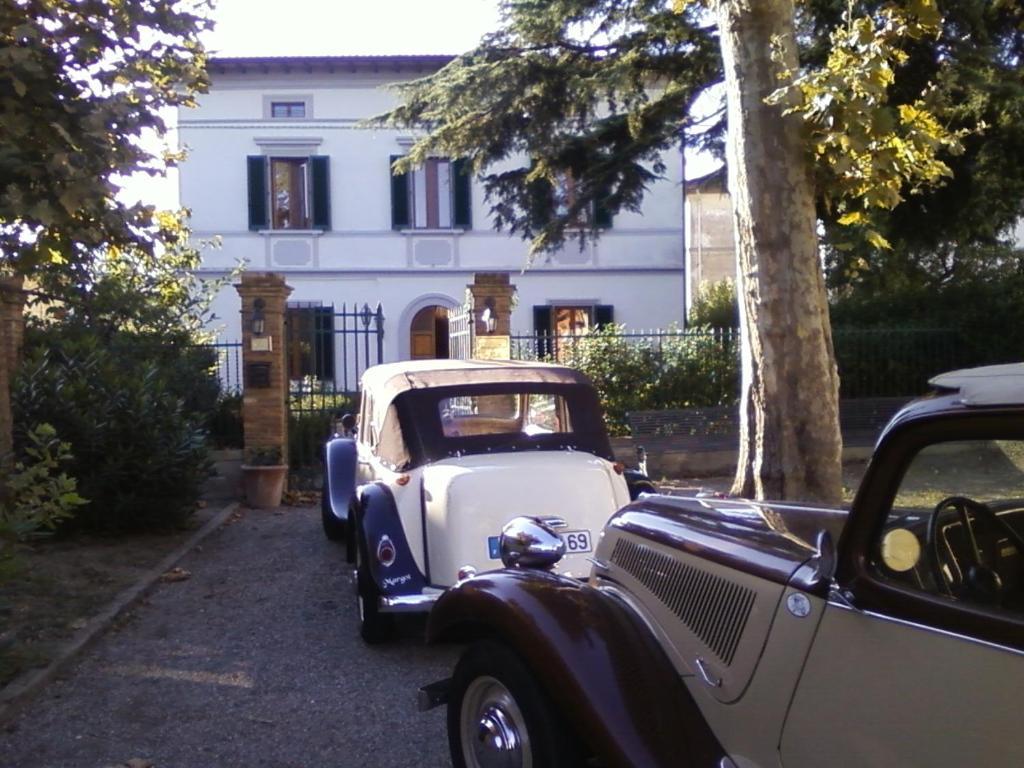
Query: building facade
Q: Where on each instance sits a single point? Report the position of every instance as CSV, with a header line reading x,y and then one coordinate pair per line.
x,y
281,167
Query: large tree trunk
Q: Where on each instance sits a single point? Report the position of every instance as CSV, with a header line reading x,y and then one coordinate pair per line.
x,y
11,325
790,446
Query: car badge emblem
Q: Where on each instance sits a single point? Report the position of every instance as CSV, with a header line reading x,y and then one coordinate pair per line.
x,y
798,605
386,552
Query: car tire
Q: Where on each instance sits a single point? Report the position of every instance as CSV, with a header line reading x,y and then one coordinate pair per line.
x,y
374,627
496,709
334,529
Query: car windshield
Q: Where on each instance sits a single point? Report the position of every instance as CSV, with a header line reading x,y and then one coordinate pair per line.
x,y
520,413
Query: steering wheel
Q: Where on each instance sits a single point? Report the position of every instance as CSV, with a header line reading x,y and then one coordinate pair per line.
x,y
981,581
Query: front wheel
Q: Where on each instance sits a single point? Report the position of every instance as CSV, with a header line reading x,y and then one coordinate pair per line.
x,y
498,715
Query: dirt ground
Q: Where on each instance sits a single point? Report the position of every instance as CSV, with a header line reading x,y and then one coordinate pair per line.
x,y
65,582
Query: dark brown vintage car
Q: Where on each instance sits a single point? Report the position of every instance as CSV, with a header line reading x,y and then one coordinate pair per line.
x,y
726,633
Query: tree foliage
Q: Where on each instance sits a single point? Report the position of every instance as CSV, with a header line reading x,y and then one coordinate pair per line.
x,y
599,88
592,90
973,76
82,83
869,153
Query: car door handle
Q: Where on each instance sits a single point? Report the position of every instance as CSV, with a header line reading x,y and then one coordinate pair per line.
x,y
705,673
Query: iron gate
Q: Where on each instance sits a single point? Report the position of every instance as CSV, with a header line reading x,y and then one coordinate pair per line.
x,y
460,333
326,352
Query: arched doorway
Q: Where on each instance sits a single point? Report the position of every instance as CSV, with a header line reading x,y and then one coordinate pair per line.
x,y
428,333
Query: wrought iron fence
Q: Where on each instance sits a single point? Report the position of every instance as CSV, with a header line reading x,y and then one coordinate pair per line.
x,y
876,362
228,365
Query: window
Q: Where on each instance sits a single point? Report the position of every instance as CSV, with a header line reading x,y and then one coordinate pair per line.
x,y
435,196
310,341
956,525
289,180
288,106
287,109
558,326
289,192
529,414
558,198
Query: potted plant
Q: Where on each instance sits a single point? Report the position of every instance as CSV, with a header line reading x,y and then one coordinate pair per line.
x,y
263,476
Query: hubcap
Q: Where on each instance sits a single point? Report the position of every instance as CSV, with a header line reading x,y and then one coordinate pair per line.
x,y
492,727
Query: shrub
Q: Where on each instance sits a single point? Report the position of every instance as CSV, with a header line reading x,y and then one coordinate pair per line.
x,y
134,412
36,494
716,306
678,370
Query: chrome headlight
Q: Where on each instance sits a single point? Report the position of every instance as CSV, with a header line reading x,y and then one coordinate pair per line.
x,y
527,542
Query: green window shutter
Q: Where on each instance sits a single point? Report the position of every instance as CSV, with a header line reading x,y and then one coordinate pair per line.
x,y
399,197
462,195
257,168
604,314
602,214
542,329
321,184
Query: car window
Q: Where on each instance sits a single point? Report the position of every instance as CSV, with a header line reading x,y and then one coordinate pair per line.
x,y
956,526
529,413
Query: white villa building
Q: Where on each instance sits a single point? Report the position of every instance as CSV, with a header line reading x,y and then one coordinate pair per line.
x,y
280,167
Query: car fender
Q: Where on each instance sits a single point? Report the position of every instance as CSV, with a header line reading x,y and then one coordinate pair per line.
x,y
378,525
595,659
339,477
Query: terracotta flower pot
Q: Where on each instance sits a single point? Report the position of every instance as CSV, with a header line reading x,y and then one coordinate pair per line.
x,y
264,485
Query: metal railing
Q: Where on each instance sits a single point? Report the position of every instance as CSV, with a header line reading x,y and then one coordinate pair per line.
x,y
874,362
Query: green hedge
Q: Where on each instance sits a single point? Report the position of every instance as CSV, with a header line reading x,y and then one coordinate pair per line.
x,y
134,410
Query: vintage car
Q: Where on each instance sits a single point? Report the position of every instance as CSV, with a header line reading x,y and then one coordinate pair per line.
x,y
724,633
445,453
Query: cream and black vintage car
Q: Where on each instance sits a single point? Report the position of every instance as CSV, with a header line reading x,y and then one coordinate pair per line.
x,y
444,454
723,633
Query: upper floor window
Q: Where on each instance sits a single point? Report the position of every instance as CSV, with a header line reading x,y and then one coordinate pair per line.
x,y
287,109
434,196
289,192
287,106
559,198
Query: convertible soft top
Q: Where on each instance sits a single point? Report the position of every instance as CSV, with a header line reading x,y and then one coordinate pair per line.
x,y
400,401
389,380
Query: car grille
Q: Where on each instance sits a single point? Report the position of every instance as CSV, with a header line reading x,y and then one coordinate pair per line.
x,y
714,609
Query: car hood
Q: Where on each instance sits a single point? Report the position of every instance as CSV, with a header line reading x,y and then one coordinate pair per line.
x,y
767,539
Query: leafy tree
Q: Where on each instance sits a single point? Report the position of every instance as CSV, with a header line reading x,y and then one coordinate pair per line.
x,y
81,83
597,90
971,71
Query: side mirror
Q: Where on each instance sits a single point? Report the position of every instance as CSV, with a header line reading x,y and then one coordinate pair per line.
x,y
348,425
527,542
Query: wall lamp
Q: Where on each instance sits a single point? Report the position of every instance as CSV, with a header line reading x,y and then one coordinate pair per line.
x,y
259,322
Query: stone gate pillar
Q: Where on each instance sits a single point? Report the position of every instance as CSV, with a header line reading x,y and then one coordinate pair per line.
x,y
12,329
490,299
264,366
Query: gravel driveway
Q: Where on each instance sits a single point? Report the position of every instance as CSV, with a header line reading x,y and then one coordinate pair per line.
x,y
254,660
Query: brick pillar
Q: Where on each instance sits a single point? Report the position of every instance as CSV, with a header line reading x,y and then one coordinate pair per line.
x,y
265,373
494,290
12,329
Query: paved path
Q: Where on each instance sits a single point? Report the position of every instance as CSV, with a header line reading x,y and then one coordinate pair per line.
x,y
253,661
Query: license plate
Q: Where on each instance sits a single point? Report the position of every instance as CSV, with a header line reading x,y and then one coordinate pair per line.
x,y
576,541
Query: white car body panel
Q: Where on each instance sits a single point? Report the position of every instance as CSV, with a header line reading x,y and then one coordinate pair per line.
x,y
471,498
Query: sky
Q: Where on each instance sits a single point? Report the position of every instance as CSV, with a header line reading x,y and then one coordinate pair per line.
x,y
335,28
